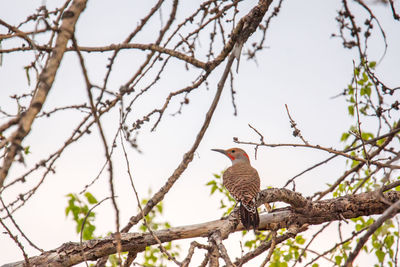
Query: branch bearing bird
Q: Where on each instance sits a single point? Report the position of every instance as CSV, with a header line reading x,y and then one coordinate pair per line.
x,y
243,183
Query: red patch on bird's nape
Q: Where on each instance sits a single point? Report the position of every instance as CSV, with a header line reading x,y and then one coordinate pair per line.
x,y
247,156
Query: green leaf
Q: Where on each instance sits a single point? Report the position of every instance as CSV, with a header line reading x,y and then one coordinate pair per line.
x,y
249,243
389,240
222,206
351,110
351,89
359,227
90,198
354,163
67,210
297,254
368,90
362,91
391,253
213,188
375,244
75,211
71,196
300,240
345,136
367,136
346,246
160,207
26,150
372,64
365,77
88,231
288,257
338,260
211,182
370,221
380,255
84,209
381,141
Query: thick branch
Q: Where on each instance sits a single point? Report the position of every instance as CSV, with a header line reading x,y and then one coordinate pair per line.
x,y
284,195
351,206
45,83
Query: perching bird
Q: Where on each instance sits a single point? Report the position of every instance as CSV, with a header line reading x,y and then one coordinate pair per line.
x,y
243,183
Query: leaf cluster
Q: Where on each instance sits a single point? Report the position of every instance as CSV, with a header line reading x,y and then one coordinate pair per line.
x,y
79,210
227,202
152,255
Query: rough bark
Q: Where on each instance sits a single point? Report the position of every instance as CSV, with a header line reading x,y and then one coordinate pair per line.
x,y
316,212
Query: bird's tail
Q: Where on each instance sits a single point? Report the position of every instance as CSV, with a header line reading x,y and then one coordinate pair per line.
x,y
249,216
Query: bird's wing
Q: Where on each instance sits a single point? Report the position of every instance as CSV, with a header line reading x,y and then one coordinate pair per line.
x,y
242,182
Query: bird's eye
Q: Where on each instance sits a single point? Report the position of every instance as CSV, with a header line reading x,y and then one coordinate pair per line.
x,y
233,151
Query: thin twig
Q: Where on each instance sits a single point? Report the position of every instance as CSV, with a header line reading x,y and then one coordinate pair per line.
x,y
389,213
293,124
15,239
358,116
188,157
162,249
354,234
104,141
266,245
271,250
17,226
43,87
310,242
84,222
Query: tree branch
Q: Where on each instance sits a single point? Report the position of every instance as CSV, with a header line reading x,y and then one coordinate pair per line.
x,y
389,213
44,85
252,18
314,213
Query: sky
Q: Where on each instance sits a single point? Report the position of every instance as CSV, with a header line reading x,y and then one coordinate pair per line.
x,y
302,66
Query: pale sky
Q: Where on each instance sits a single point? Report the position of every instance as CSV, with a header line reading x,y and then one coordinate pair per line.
x,y
302,67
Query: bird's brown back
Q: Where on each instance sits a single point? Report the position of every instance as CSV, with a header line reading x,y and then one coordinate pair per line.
x,y
242,182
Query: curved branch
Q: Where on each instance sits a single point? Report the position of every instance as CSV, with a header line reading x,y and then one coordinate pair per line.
x,y
316,212
285,195
153,47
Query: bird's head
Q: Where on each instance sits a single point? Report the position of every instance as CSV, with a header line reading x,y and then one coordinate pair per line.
x,y
236,155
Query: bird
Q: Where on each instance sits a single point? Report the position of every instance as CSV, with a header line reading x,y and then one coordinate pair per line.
x,y
243,183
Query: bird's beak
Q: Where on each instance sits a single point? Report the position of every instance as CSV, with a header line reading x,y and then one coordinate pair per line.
x,y
219,150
